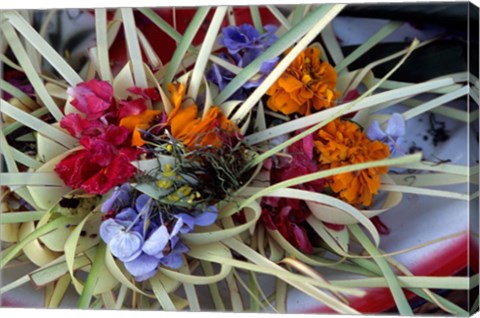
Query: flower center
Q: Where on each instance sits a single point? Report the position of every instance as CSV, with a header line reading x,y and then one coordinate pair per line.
x,y
306,79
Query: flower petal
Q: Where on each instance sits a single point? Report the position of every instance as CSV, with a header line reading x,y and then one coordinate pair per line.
x,y
126,217
119,198
93,98
143,267
207,216
131,107
177,227
110,228
157,241
76,168
375,132
396,126
126,246
188,222
143,204
173,261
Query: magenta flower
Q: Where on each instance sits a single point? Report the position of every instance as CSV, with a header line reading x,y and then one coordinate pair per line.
x,y
93,98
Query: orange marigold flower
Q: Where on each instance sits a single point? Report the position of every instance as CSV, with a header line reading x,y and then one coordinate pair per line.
x,y
191,130
308,82
140,121
343,143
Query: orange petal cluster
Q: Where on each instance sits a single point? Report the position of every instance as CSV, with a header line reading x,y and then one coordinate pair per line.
x,y
139,121
341,143
307,83
191,130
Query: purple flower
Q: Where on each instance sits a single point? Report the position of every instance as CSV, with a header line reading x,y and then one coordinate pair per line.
x,y
236,38
120,198
175,259
156,243
124,244
392,135
204,218
244,44
143,267
143,236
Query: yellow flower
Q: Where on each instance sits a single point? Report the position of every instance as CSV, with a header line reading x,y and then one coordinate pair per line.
x,y
307,83
342,143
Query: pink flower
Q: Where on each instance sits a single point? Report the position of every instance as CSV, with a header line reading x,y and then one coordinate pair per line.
x,y
131,107
149,93
105,160
78,126
93,98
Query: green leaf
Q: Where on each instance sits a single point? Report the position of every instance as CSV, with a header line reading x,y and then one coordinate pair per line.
x,y
384,98
20,217
102,44
205,50
71,251
298,13
279,16
30,179
439,58
133,46
10,128
35,80
256,18
7,152
213,288
431,104
184,44
92,279
385,31
38,125
7,257
161,23
43,47
161,293
17,93
397,292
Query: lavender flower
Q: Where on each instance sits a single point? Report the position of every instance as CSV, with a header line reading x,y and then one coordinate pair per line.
x,y
392,135
119,198
204,218
236,38
145,237
244,44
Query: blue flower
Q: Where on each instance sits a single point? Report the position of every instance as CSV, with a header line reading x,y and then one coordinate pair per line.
x,y
124,244
392,135
244,44
175,258
143,267
142,236
204,218
119,199
236,38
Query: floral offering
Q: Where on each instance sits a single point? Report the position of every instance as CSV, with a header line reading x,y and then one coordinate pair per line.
x,y
253,163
